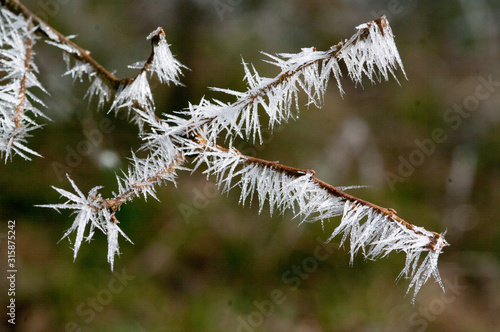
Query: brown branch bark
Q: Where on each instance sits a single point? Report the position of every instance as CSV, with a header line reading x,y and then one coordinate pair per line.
x,y
22,89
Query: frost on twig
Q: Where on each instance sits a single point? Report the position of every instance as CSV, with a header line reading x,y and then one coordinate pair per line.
x,y
372,230
162,62
369,229
132,94
135,95
371,51
18,105
90,211
100,212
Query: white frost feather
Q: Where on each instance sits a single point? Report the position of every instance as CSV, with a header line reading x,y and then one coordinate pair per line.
x,y
164,64
17,102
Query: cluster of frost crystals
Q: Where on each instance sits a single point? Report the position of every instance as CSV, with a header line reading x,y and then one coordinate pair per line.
x,y
136,96
307,71
144,175
18,105
372,52
78,69
164,65
137,93
167,136
100,90
95,212
132,95
370,231
89,214
377,234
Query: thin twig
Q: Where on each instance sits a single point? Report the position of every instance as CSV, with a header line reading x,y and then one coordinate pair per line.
x,y
22,90
114,203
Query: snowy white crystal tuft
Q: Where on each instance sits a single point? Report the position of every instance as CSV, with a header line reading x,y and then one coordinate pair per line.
x,y
18,105
164,65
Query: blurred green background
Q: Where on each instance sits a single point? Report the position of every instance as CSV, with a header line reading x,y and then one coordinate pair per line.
x,y
201,262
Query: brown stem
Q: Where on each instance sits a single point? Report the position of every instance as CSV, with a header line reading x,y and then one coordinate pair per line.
x,y
113,204
22,90
155,40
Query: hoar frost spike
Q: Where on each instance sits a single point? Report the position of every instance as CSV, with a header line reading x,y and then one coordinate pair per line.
x,y
169,139
18,105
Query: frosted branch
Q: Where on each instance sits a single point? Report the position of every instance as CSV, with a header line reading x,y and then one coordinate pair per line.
x,y
373,230
90,211
104,83
18,71
371,51
59,40
100,212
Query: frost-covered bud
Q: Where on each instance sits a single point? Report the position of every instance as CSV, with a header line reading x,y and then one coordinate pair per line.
x,y
163,62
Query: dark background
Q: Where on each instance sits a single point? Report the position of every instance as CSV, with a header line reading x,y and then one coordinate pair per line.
x,y
201,262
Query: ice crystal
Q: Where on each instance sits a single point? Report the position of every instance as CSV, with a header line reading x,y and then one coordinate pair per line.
x,y
65,47
164,65
18,105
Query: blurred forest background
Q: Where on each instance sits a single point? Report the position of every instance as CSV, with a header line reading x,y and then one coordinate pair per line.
x,y
201,262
